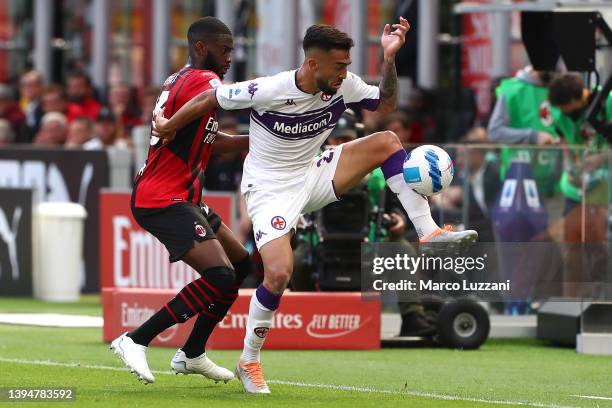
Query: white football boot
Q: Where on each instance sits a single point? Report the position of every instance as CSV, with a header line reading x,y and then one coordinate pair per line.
x,y
251,377
134,356
447,241
199,365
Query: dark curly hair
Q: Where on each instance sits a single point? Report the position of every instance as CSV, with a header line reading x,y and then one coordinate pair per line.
x,y
326,37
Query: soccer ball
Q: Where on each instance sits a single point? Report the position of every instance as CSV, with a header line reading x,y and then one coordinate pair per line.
x,y
428,169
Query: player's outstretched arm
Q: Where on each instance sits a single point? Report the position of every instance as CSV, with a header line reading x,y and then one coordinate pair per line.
x,y
225,143
391,42
195,108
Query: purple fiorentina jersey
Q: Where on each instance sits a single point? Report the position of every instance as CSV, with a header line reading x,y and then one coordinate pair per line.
x,y
288,125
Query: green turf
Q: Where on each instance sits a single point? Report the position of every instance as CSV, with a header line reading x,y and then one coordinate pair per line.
x,y
508,370
88,305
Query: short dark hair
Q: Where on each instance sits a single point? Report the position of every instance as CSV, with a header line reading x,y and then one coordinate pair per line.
x,y
326,37
565,89
84,119
55,88
205,27
79,73
475,135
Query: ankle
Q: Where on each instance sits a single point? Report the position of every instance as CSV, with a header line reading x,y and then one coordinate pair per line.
x,y
193,354
249,356
137,339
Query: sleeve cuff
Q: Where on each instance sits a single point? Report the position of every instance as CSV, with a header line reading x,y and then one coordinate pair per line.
x,y
368,104
217,99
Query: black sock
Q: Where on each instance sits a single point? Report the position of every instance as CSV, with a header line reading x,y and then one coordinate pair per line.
x,y
205,324
156,324
194,298
196,342
178,310
208,319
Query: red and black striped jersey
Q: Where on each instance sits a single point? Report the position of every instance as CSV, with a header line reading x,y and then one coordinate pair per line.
x,y
174,171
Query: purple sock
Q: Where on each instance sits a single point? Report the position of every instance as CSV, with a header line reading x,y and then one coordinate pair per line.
x,y
394,164
267,299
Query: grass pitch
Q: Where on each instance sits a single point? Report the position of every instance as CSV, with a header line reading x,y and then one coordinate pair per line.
x,y
502,372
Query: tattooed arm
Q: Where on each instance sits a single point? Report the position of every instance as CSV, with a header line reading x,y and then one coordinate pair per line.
x,y
391,42
388,87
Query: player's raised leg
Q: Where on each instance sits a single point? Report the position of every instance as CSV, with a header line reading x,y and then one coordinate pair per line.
x,y
278,265
192,358
359,157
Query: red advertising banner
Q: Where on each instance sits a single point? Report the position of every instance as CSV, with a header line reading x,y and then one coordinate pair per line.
x,y
477,55
305,320
476,58
130,257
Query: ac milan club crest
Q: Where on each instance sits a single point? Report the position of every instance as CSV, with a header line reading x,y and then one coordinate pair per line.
x,y
200,231
278,222
325,97
261,332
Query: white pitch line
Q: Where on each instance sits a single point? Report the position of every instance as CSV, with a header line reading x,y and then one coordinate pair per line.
x,y
75,365
415,394
592,397
305,385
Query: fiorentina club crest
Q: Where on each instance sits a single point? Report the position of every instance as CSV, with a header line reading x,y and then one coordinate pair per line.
x,y
261,332
545,115
200,231
278,222
325,97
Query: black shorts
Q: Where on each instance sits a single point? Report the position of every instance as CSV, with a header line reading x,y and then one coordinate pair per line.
x,y
179,225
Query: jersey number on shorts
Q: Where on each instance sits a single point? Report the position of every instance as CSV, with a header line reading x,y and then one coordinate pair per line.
x,y
159,108
326,157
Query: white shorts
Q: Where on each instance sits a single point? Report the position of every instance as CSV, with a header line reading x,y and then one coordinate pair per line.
x,y
275,211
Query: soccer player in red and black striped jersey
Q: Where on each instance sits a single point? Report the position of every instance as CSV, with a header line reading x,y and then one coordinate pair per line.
x,y
166,201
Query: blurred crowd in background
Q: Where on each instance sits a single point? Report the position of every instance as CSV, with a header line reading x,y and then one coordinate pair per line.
x,y
71,114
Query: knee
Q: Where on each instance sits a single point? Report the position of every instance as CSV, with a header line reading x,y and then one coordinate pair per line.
x,y
220,277
277,277
392,139
389,141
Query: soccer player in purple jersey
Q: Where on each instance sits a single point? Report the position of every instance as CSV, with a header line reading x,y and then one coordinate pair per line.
x,y
292,113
